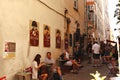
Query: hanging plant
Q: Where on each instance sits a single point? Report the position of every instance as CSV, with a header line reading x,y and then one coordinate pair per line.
x,y
117,12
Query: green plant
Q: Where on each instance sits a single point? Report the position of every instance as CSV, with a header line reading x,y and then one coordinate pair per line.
x,y
97,76
117,12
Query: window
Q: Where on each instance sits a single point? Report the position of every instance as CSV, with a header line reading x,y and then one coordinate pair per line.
x,y
76,5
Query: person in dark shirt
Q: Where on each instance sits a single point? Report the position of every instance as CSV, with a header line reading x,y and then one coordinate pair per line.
x,y
89,51
114,58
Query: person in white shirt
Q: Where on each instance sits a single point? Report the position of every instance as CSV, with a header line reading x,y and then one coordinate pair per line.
x,y
71,62
96,54
36,65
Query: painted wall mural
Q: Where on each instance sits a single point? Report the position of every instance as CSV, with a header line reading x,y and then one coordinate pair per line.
x,y
34,33
58,38
46,36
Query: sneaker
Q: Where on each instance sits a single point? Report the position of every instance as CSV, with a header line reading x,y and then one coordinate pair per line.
x,y
75,72
98,65
94,65
61,78
81,67
71,71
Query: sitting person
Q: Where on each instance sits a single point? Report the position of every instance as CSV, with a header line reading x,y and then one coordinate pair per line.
x,y
55,69
36,65
114,58
71,62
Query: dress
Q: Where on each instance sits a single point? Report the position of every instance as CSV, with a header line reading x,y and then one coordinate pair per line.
x,y
34,70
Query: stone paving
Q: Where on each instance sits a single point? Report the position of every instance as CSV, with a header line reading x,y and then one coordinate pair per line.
x,y
84,73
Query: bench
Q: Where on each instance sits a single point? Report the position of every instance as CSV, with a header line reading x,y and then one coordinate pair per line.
x,y
26,74
64,68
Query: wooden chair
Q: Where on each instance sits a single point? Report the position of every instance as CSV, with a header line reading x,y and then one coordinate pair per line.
x,y
29,69
113,70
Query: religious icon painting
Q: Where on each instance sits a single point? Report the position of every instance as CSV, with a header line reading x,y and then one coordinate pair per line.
x,y
46,34
58,38
66,41
34,33
9,50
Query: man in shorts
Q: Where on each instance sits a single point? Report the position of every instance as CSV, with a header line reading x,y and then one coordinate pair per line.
x,y
96,54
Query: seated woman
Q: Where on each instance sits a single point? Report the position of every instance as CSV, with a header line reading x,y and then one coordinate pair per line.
x,y
55,69
71,62
36,65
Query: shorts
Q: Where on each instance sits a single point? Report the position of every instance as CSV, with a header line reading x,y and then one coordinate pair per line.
x,y
96,56
68,63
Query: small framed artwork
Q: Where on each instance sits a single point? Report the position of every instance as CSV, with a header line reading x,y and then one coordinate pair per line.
x,y
9,50
34,33
75,5
70,39
58,38
66,41
46,34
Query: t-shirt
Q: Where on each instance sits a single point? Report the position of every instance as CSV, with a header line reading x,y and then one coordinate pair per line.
x,y
49,61
34,70
67,55
96,48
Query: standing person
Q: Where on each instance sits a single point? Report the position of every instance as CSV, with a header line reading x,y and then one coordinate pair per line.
x,y
102,51
114,56
75,54
36,65
108,48
55,69
96,54
89,51
34,35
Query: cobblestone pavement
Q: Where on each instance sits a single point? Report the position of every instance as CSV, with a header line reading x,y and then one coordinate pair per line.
x,y
84,73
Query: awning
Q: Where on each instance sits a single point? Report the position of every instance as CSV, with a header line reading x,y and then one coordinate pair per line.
x,y
90,2
111,41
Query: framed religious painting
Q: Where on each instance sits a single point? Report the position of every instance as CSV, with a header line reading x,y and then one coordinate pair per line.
x,y
70,39
9,50
58,38
34,33
66,41
46,36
